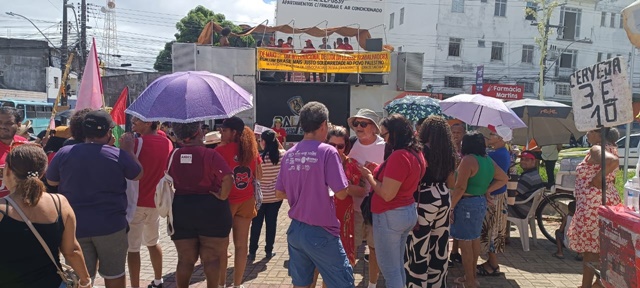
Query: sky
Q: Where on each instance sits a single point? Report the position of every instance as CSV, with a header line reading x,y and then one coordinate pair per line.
x,y
143,26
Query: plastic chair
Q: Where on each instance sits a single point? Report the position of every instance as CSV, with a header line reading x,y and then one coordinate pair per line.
x,y
567,184
536,197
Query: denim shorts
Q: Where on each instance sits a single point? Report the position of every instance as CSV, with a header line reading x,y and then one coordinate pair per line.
x,y
468,216
312,247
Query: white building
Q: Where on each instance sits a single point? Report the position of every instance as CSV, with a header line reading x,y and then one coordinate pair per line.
x,y
456,36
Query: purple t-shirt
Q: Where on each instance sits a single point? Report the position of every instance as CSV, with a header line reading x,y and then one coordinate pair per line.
x,y
307,172
92,177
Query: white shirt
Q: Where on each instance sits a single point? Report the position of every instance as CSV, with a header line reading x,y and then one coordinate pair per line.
x,y
549,152
373,152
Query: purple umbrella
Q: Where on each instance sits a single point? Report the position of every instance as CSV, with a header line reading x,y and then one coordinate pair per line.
x,y
186,97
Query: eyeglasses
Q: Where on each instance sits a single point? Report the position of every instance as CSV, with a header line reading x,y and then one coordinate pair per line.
x,y
338,146
362,124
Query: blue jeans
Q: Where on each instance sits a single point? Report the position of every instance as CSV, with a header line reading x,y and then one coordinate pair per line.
x,y
468,216
313,247
390,232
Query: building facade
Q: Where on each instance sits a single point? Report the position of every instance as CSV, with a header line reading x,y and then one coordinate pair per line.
x,y
457,36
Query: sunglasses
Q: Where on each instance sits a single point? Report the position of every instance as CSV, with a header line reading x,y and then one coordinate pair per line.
x,y
338,146
362,124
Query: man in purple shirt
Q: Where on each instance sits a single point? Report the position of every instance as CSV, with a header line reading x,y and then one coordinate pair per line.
x,y
92,177
310,176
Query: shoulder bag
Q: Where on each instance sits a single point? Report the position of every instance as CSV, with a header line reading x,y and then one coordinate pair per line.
x,y
164,196
68,275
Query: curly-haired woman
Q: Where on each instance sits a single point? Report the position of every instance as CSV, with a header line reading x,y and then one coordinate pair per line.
x,y
426,259
241,153
392,203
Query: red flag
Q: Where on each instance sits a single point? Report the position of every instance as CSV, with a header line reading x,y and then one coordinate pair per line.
x,y
90,92
118,116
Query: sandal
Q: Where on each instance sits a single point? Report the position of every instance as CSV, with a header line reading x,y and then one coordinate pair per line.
x,y
456,257
555,255
482,271
461,280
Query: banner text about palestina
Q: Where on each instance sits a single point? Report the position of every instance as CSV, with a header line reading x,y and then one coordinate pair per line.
x,y
325,62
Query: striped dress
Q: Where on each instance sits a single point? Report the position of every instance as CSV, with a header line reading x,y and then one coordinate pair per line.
x,y
268,181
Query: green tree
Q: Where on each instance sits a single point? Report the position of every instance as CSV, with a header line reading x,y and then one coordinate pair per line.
x,y
547,8
189,29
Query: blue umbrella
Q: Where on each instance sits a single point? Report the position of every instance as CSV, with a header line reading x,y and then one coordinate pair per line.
x,y
415,108
186,97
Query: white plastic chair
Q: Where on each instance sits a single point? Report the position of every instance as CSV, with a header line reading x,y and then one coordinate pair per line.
x,y
536,197
565,180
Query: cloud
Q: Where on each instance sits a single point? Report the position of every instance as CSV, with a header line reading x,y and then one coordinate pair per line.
x,y
154,18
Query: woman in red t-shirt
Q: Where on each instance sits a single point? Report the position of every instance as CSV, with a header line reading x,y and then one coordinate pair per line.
x,y
392,204
281,134
241,154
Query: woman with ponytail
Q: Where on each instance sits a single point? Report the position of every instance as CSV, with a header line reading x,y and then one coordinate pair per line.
x,y
271,155
25,263
241,154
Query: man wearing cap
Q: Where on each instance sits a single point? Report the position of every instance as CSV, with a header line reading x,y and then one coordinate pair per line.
x,y
494,226
368,149
153,153
529,182
92,177
10,121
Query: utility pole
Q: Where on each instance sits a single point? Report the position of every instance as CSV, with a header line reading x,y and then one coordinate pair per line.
x,y
543,39
63,48
83,37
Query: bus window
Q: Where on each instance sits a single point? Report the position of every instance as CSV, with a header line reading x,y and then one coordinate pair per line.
x,y
20,108
7,104
42,111
31,111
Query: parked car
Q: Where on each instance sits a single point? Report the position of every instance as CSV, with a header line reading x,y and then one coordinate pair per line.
x,y
634,143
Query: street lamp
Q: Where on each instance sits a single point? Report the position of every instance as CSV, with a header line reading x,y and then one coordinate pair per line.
x,y
34,25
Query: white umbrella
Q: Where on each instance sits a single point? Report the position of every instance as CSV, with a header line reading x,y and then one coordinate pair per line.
x,y
480,110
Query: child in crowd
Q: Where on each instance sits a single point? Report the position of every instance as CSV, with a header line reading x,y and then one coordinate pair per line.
x,y
561,233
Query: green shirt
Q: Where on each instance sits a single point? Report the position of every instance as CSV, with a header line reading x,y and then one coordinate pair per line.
x,y
479,183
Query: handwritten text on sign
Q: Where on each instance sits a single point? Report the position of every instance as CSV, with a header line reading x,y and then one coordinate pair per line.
x,y
601,95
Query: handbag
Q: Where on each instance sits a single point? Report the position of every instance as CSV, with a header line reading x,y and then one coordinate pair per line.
x,y
257,192
68,275
133,190
365,206
164,196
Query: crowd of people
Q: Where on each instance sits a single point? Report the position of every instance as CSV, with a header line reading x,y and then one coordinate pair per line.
x,y
401,190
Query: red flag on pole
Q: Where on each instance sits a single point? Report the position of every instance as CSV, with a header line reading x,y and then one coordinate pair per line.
x,y
118,116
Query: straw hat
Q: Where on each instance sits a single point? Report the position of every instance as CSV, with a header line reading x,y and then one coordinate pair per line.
x,y
24,128
212,138
63,132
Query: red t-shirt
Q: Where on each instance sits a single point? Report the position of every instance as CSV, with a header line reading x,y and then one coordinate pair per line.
x,y
242,189
347,47
153,157
4,150
281,134
197,170
287,48
161,133
404,167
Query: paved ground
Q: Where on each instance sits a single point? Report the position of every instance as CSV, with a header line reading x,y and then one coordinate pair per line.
x,y
535,268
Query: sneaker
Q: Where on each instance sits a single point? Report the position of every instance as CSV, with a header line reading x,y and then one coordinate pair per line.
x,y
251,257
153,285
366,258
456,257
271,255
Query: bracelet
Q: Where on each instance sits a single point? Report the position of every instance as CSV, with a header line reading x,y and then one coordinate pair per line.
x,y
85,285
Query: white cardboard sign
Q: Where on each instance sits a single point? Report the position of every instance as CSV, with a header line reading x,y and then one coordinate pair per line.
x,y
601,95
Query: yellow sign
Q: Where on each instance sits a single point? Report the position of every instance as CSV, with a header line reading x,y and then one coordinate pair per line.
x,y
325,62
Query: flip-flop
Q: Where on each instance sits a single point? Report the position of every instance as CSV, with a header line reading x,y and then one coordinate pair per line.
x,y
480,270
557,256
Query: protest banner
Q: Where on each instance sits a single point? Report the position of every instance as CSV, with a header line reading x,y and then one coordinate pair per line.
x,y
324,61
